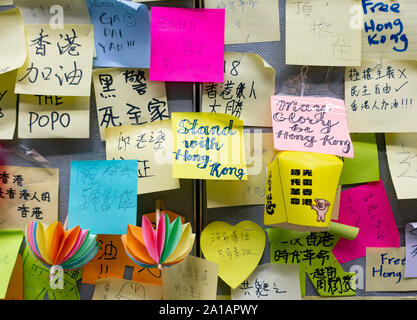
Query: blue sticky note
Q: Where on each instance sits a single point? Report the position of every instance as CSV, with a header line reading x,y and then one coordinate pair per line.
x,y
103,195
121,33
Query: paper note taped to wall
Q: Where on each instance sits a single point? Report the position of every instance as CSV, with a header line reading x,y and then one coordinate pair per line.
x,y
43,116
311,124
15,289
245,92
121,33
10,241
381,97
367,208
259,151
151,146
364,167
187,44
208,146
8,105
385,270
13,40
389,29
28,194
191,279
103,195
320,32
121,289
402,160
411,250
270,281
127,97
250,21
59,61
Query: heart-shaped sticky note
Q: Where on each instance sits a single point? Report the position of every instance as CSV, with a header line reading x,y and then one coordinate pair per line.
x,y
236,249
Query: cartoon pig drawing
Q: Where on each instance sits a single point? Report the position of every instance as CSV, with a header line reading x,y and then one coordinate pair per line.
x,y
321,208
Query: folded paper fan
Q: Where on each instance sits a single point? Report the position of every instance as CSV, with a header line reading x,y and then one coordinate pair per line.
x,y
54,246
166,245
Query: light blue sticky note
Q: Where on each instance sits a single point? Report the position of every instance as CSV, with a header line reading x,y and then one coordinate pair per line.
x,y
121,33
103,195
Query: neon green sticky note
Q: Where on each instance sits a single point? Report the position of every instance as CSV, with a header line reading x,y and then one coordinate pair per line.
x,y
10,241
364,166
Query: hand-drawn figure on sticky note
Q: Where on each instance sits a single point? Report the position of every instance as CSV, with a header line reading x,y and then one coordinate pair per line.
x,y
321,208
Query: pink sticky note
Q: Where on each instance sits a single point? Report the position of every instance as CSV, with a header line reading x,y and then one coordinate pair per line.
x,y
366,207
311,124
187,44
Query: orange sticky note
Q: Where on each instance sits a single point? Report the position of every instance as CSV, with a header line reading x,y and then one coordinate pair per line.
x,y
15,289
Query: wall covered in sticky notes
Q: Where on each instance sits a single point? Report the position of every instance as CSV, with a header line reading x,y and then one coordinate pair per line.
x,y
120,115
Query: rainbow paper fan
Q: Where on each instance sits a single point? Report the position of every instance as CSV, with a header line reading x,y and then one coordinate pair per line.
x,y
54,246
166,245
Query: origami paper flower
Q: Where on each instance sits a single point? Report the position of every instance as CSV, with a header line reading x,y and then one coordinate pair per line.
x,y
166,245
54,246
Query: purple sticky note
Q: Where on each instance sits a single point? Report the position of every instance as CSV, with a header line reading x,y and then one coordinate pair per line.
x,y
411,250
367,208
187,44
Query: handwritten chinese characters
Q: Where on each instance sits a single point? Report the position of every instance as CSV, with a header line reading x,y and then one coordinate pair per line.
x,y
245,92
208,146
313,252
411,250
103,195
238,247
270,281
320,32
151,145
380,96
191,279
8,101
127,97
312,124
366,207
402,160
59,61
249,21
187,44
122,33
28,194
389,29
43,116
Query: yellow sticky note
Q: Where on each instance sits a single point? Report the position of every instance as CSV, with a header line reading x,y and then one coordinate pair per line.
x,y
245,92
43,116
8,101
380,96
389,29
6,2
301,190
191,279
122,289
28,194
260,151
151,145
321,33
208,146
248,21
125,96
10,241
13,40
385,270
236,249
402,160
59,61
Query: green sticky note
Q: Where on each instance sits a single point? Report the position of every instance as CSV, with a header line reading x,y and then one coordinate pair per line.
x,y
10,241
36,281
364,167
313,252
